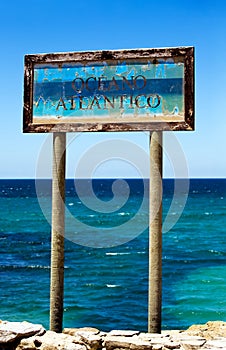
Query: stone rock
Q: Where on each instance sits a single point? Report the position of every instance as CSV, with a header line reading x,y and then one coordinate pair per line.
x,y
91,337
172,345
209,330
153,337
192,344
73,331
157,347
12,332
51,341
125,342
216,344
123,333
27,336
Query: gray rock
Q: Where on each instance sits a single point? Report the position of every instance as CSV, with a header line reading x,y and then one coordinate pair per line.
x,y
91,337
51,341
13,331
122,342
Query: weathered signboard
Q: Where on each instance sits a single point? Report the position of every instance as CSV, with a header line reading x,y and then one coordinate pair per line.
x,y
148,89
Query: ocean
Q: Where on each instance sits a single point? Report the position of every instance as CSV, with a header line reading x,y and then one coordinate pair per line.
x,y
106,253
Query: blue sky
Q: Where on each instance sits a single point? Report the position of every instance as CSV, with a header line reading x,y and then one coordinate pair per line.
x,y
42,26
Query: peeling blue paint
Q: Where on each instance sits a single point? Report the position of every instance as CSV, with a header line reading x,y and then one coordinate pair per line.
x,y
127,90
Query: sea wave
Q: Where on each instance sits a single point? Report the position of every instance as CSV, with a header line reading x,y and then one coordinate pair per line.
x,y
118,253
14,267
112,285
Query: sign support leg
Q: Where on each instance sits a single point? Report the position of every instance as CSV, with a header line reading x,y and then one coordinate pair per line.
x,y
57,234
155,234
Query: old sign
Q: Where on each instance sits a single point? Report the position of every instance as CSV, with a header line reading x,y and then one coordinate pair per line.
x,y
148,89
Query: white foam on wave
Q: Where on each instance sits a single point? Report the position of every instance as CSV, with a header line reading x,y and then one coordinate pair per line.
x,y
123,214
112,285
118,253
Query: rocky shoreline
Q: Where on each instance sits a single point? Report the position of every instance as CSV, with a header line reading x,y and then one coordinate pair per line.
x,y
28,336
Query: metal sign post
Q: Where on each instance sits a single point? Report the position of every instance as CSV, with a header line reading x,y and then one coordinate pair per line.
x,y
104,91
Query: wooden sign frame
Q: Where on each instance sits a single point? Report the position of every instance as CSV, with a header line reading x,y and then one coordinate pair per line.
x,y
136,121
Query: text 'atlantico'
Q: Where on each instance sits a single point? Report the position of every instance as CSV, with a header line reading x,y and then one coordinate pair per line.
x,y
102,93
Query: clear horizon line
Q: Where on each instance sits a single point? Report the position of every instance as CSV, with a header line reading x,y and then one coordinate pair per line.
x,y
108,177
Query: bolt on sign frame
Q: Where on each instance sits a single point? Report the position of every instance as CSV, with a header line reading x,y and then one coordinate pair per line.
x,y
121,90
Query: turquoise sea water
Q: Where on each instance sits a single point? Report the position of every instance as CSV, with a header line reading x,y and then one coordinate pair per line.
x,y
107,287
